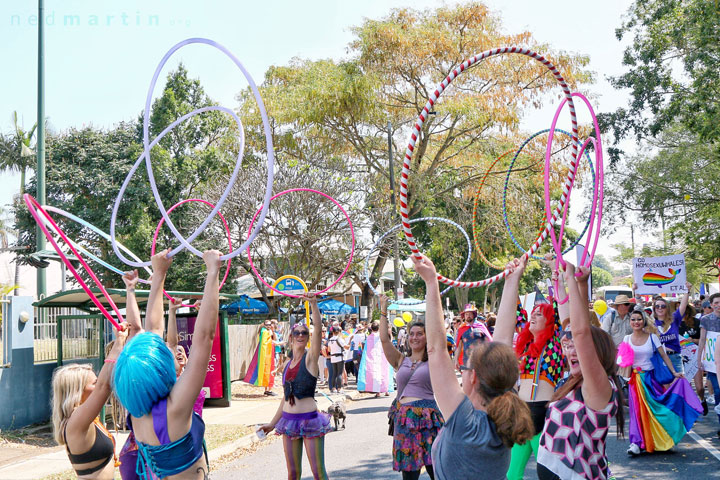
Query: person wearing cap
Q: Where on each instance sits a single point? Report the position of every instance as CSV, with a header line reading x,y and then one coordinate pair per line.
x,y
616,320
473,328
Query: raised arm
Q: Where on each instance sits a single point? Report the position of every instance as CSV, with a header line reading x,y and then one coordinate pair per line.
x,y
172,330
448,392
186,389
132,311
154,312
84,415
506,317
596,388
315,342
392,354
685,299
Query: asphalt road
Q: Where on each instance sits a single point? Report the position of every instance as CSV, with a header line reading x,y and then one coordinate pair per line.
x,y
363,451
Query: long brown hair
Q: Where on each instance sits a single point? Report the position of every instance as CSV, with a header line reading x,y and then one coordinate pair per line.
x,y
510,415
607,353
420,324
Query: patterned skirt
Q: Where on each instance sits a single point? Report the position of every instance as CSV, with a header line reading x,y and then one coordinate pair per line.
x,y
416,426
303,425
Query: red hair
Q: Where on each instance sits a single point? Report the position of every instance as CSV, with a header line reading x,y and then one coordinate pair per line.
x,y
529,345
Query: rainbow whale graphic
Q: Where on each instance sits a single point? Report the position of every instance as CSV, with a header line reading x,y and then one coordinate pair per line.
x,y
655,279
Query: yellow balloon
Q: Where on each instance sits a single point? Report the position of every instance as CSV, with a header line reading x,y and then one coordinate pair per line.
x,y
398,322
600,307
407,316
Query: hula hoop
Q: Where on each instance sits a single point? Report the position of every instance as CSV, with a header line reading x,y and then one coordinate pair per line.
x,y
352,248
147,146
34,207
366,271
415,134
227,230
103,234
505,188
598,194
475,226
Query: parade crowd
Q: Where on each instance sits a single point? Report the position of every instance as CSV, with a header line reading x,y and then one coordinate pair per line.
x,y
560,375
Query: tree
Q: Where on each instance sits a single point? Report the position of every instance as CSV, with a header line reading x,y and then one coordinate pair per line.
x,y
17,156
601,277
337,111
86,167
673,70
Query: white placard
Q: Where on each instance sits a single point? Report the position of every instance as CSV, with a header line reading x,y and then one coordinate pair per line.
x,y
708,358
655,275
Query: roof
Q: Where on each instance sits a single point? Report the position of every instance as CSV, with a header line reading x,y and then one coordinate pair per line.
x,y
78,298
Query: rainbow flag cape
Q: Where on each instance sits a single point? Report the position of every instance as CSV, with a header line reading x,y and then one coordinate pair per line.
x,y
660,418
263,363
375,373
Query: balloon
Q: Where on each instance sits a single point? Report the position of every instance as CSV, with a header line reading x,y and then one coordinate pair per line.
x,y
407,316
398,322
600,307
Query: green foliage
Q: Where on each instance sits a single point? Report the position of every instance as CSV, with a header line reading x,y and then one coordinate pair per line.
x,y
86,167
673,69
601,277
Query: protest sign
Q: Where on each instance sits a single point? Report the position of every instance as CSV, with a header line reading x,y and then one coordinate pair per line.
x,y
656,275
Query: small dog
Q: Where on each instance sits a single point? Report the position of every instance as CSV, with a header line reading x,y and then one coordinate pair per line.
x,y
337,410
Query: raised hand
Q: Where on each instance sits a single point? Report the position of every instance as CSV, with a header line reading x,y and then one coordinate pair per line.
x,y
161,262
425,268
516,268
212,261
130,279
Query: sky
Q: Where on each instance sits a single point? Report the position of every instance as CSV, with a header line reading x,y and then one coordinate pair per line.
x,y
100,56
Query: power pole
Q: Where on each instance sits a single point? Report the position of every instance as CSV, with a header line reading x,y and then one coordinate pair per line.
x,y
396,257
40,172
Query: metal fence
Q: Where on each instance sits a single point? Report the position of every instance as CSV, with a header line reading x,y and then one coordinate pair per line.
x,y
80,334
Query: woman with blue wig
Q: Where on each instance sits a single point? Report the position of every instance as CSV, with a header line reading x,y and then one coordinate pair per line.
x,y
169,434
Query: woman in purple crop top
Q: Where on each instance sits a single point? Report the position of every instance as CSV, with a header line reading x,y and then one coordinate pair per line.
x,y
297,418
669,326
416,418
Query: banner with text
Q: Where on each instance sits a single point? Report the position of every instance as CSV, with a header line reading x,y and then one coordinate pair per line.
x,y
655,275
708,358
213,385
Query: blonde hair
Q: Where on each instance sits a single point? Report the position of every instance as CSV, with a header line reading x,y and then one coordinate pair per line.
x,y
68,384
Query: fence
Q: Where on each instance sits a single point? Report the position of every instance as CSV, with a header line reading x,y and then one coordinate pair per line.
x,y
80,334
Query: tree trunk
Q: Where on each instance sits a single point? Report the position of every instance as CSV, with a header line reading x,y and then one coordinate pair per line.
x,y
461,297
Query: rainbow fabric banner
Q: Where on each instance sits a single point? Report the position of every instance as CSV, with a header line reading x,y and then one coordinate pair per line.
x,y
375,373
659,417
259,371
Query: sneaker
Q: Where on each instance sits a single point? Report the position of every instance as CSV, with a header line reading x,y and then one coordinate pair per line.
x,y
271,394
634,449
705,408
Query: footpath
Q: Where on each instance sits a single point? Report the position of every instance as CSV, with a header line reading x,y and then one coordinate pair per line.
x,y
18,462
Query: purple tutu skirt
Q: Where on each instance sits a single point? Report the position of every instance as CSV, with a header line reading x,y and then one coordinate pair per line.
x,y
303,425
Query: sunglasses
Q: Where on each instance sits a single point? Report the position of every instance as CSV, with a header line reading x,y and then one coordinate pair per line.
x,y
566,334
661,306
299,333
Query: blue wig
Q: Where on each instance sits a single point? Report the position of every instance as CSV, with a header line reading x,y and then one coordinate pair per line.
x,y
144,373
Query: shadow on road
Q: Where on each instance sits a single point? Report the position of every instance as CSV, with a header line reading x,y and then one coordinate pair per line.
x,y
357,411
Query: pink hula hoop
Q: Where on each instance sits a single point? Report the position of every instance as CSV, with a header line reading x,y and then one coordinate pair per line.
x,y
227,230
415,134
352,248
34,207
598,190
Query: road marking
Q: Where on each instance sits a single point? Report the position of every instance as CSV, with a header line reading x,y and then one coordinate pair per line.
x,y
705,444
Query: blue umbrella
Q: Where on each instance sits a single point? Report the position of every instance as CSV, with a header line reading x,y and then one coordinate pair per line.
x,y
246,306
335,307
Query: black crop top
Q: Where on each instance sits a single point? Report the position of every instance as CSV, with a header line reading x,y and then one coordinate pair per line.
x,y
302,386
102,449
